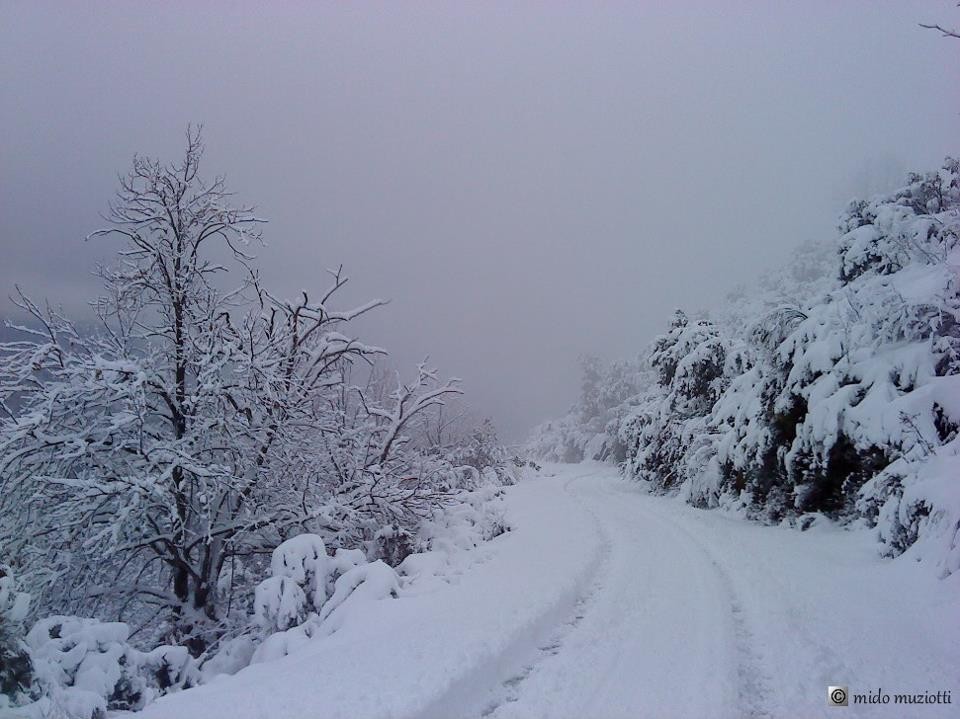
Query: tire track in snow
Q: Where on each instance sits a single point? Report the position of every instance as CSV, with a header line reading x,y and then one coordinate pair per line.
x,y
643,576
753,685
755,694
509,689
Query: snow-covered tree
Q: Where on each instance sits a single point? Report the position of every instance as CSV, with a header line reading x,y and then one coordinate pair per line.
x,y
689,365
198,426
379,477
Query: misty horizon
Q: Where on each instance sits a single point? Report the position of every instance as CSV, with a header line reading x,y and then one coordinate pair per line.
x,y
524,186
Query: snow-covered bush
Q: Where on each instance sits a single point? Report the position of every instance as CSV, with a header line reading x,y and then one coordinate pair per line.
x,y
478,516
308,595
83,667
481,451
16,669
311,591
848,406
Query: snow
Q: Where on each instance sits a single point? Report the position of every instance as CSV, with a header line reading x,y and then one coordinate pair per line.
x,y
607,601
13,604
425,653
279,603
81,662
301,558
294,605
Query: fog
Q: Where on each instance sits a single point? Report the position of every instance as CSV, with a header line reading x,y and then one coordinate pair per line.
x,y
524,183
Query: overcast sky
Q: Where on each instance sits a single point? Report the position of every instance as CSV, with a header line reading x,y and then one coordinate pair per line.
x,y
524,181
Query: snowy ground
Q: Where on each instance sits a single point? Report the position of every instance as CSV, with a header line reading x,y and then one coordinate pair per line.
x,y
603,603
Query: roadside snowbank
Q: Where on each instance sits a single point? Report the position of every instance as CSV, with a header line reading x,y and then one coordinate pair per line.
x,y
451,629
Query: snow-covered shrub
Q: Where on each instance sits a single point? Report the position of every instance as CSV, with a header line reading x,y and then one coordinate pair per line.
x,y
466,466
857,395
482,451
299,569
16,669
847,403
83,667
309,594
477,517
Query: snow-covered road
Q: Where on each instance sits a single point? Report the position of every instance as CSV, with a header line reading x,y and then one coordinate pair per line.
x,y
658,630
603,603
693,614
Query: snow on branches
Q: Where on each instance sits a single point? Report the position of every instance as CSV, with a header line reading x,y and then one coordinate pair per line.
x,y
149,464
